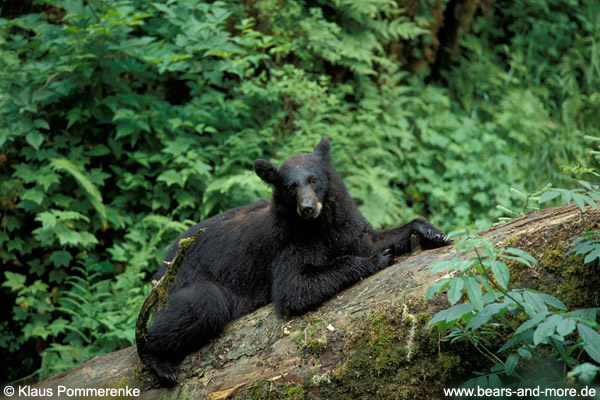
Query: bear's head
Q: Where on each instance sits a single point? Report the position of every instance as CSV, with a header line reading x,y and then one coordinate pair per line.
x,y
301,182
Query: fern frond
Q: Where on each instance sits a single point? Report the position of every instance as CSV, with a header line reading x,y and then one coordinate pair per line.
x,y
94,195
403,29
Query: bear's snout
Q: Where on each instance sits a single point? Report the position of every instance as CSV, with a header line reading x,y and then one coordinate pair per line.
x,y
309,206
307,210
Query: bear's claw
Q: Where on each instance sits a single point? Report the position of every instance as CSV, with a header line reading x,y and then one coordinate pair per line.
x,y
432,236
166,371
382,259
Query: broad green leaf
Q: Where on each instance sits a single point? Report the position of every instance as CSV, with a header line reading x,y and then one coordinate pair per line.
x,y
531,322
588,313
534,301
552,301
524,353
522,254
35,139
484,315
474,291
591,340
48,219
457,312
501,273
34,194
466,265
14,281
517,259
47,179
525,336
482,382
452,314
548,195
60,258
172,177
585,184
488,288
591,202
593,255
124,114
511,363
435,287
544,330
98,150
513,294
41,124
585,372
578,200
498,367
495,381
455,290
166,9
567,195
559,346
566,326
440,266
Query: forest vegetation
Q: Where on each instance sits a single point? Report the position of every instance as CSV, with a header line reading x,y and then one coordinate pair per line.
x,y
124,122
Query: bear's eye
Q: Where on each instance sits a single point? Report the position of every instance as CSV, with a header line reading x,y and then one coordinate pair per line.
x,y
313,180
292,187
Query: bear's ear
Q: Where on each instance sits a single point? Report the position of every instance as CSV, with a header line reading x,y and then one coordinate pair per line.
x,y
322,150
266,171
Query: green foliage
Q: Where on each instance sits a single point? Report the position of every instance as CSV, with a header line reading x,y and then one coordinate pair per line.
x,y
95,318
485,278
530,73
585,195
493,309
121,122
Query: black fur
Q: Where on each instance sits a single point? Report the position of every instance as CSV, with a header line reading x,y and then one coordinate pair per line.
x,y
297,250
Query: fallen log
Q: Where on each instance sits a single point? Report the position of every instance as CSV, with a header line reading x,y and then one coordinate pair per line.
x,y
367,342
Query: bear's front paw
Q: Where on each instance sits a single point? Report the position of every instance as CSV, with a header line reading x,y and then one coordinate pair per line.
x,y
382,259
431,237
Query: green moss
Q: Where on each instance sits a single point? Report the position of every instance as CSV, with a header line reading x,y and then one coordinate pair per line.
x,y
124,382
170,275
265,390
316,347
144,378
310,336
564,276
138,373
393,356
390,355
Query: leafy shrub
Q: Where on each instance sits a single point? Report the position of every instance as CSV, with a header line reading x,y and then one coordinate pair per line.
x,y
547,321
493,308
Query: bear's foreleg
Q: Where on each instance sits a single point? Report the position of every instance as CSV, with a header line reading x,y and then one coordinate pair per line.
x,y
398,239
298,288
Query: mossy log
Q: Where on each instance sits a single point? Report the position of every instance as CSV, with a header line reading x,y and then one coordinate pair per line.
x,y
367,342
157,299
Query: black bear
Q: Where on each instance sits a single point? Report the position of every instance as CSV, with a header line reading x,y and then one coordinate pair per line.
x,y
297,250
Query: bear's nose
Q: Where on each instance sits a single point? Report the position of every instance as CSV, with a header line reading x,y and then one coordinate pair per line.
x,y
307,209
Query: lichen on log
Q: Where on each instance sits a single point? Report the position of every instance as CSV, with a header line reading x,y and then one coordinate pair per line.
x,y
157,299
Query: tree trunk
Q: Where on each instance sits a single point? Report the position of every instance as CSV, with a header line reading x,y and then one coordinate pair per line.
x,y
367,342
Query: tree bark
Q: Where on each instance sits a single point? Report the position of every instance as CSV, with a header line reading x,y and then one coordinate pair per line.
x,y
312,355
458,17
